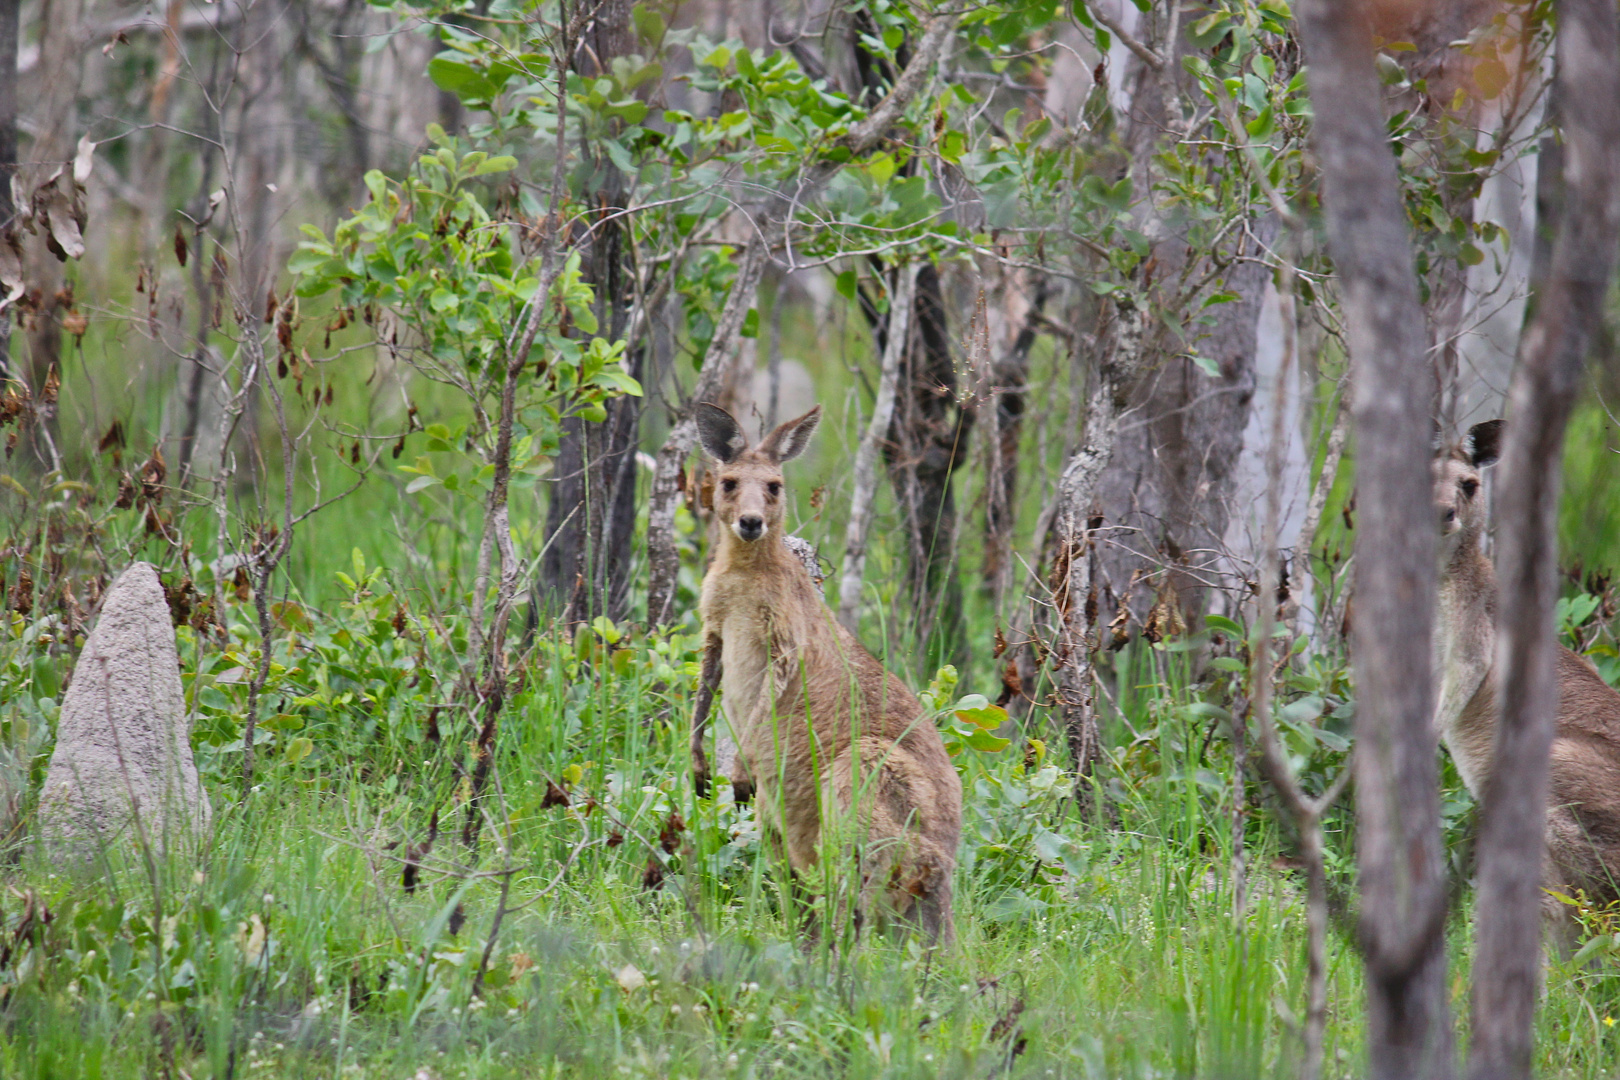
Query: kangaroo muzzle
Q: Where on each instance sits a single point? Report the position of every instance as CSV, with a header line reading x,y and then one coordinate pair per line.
x,y
749,527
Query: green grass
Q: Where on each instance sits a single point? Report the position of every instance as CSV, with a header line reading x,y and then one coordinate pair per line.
x,y
289,947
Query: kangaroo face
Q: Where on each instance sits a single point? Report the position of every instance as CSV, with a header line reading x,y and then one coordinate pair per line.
x,y
748,481
1457,494
748,496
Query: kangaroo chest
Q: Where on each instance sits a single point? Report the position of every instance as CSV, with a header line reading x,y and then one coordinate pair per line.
x,y
756,658
1465,713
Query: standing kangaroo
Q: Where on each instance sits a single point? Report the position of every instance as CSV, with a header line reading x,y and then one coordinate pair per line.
x,y
1583,789
822,729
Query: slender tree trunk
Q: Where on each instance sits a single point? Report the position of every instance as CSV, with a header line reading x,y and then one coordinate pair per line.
x,y
1119,367
929,435
8,149
1403,889
662,559
927,441
590,517
54,99
866,455
1009,387
1568,310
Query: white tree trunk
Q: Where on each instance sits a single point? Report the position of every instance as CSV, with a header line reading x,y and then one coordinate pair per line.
x,y
866,456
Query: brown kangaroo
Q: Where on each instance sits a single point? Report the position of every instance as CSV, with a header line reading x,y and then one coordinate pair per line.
x,y
822,729
1583,791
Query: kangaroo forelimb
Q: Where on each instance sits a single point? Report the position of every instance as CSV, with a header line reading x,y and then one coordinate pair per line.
x,y
708,682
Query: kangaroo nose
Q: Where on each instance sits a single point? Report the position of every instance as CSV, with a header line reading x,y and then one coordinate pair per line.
x,y
750,527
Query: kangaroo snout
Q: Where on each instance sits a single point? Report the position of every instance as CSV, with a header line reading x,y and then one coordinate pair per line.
x,y
749,527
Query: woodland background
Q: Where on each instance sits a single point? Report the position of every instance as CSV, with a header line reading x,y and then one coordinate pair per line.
x,y
375,326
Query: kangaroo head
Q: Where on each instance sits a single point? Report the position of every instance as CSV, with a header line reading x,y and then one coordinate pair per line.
x,y
748,480
1456,485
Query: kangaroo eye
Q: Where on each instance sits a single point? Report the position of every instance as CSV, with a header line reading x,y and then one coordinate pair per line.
x,y
1469,487
728,486
774,488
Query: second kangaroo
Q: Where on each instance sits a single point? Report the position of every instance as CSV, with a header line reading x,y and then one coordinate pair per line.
x,y
1583,780
823,731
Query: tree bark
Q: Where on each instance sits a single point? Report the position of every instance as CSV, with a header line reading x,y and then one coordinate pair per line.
x,y
590,517
55,101
1403,888
1007,392
926,442
928,437
1119,366
8,148
1568,311
1168,494
866,455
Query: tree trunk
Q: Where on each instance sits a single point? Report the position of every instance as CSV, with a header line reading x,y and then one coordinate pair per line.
x,y
1568,310
1167,497
929,436
1403,892
590,518
55,100
1007,392
1119,365
866,455
927,441
8,149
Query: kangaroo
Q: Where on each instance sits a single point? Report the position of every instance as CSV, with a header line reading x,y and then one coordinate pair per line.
x,y
822,729
1583,790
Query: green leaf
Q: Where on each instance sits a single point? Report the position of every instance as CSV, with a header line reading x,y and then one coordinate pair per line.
x,y
881,168
299,749
648,23
988,717
503,163
750,324
1206,365
462,80
1224,625
1303,711
985,743
845,284
421,483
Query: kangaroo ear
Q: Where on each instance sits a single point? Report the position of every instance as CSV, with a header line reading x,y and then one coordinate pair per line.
x,y
789,440
1485,443
722,437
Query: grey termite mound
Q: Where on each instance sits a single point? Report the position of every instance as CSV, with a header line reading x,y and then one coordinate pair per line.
x,y
122,769
1583,789
823,731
